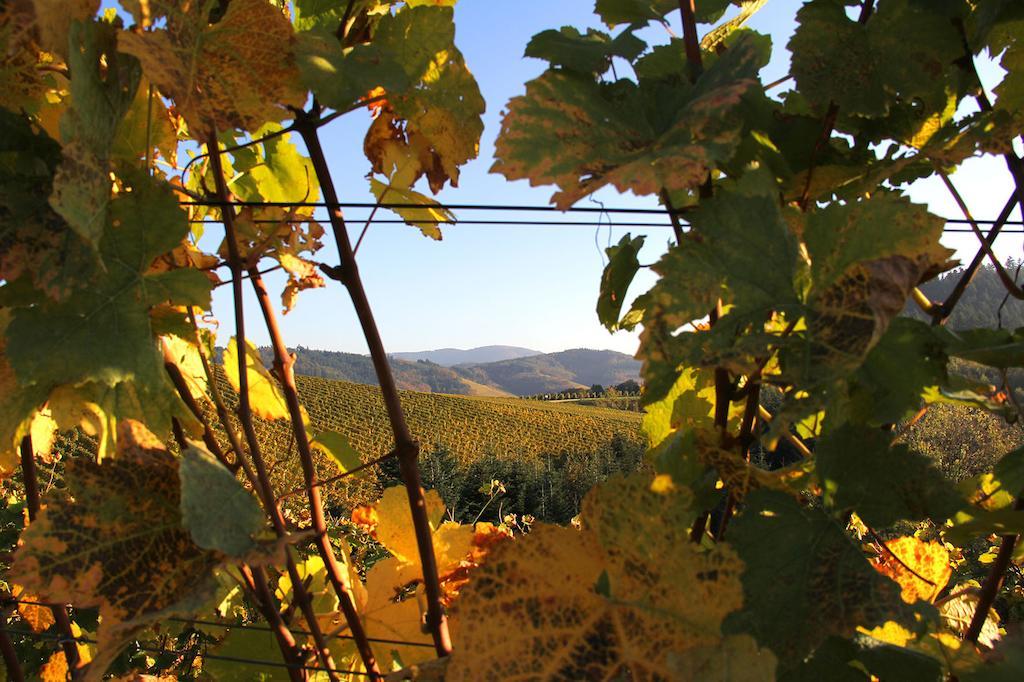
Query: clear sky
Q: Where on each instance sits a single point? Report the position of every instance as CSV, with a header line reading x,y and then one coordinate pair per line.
x,y
526,286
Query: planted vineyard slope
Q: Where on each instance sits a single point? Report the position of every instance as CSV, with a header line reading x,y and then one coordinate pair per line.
x,y
466,426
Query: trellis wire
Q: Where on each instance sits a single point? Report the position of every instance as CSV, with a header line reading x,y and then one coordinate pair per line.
x,y
58,639
230,626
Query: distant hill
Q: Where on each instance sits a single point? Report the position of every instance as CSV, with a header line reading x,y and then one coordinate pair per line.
x,y
552,372
447,357
543,373
422,376
980,304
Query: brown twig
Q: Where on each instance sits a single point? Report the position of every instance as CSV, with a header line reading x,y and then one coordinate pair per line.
x,y
829,122
941,315
284,366
10,656
351,472
691,42
245,416
405,445
1008,282
209,438
32,504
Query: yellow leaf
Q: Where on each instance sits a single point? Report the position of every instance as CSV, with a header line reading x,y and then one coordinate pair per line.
x,y
39,618
559,603
928,560
53,21
237,73
394,522
185,356
264,393
428,219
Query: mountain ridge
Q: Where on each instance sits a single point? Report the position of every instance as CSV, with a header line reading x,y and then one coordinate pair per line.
x,y
528,375
449,357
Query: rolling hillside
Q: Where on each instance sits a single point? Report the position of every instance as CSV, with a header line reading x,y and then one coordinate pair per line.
x,y
545,373
552,372
469,428
448,357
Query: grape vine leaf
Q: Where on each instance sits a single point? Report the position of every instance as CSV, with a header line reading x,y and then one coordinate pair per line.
x,y
394,530
21,83
21,404
580,135
614,12
114,540
428,219
922,569
904,51
862,271
217,511
102,90
237,73
104,333
562,603
35,242
849,458
147,121
805,580
589,53
337,446
265,395
54,20
897,373
622,267
397,59
999,348
98,408
431,118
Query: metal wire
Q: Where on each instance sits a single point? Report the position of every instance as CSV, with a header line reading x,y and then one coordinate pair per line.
x,y
163,650
230,626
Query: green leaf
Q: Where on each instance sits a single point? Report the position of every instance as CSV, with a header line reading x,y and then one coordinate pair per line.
x,y
217,511
590,53
275,170
250,644
1010,472
618,275
866,257
581,135
104,333
428,219
904,52
841,235
897,373
114,540
883,483
103,87
804,580
337,446
35,242
396,59
968,525
1000,348
615,12
239,72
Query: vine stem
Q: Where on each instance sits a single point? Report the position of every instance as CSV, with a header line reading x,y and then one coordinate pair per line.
x,y
994,579
32,504
1008,283
10,656
284,364
943,311
829,122
405,445
262,482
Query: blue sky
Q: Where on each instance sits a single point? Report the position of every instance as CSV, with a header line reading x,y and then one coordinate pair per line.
x,y
524,286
